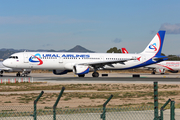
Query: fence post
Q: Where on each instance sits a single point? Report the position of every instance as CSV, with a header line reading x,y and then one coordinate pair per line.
x,y
55,105
35,102
155,100
162,109
172,110
103,115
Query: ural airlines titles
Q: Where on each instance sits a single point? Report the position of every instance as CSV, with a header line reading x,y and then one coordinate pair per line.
x,y
67,55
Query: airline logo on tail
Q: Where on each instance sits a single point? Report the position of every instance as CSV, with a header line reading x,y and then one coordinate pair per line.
x,y
36,58
153,46
124,50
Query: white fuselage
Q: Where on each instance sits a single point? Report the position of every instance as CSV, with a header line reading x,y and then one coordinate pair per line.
x,y
66,61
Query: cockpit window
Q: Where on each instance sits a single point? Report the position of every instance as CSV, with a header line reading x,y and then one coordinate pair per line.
x,y
14,57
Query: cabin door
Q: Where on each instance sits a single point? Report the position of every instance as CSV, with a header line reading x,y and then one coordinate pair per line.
x,y
26,59
60,59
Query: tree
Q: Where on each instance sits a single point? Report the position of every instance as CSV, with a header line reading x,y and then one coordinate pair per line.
x,y
173,57
114,50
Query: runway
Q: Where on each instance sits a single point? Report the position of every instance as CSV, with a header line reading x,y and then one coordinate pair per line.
x,y
111,78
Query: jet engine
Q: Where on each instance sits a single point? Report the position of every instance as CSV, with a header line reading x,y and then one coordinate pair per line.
x,y
81,69
60,72
160,70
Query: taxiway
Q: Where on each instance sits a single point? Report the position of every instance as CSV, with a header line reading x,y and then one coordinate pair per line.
x,y
111,78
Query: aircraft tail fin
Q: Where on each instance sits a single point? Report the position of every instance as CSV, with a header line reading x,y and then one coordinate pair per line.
x,y
124,50
155,46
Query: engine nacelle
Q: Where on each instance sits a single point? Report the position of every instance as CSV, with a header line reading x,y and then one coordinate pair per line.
x,y
173,71
60,72
160,70
81,69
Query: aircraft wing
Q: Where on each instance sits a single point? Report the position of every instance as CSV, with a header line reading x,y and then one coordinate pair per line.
x,y
102,63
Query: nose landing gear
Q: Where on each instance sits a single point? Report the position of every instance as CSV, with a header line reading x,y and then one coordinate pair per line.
x,y
24,74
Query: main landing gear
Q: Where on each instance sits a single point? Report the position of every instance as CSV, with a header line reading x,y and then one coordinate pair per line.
x,y
18,74
81,75
153,73
94,74
1,73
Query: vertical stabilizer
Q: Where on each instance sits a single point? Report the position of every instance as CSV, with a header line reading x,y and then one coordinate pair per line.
x,y
124,50
155,46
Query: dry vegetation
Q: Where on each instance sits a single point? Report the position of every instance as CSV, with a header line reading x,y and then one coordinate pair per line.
x,y
90,95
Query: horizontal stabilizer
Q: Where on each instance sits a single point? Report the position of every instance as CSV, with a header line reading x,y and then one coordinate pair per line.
x,y
160,58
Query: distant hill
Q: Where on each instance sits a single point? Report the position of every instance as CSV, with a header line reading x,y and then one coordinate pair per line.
x,y
5,53
79,48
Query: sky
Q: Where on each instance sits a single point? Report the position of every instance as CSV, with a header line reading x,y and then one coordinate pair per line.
x,y
97,25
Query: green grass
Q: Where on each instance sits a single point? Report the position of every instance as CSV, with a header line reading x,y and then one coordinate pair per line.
x,y
7,102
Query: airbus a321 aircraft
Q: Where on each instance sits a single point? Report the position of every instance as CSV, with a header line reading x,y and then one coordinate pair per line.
x,y
83,63
161,67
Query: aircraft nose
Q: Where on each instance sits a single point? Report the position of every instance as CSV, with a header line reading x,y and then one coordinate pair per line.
x,y
6,63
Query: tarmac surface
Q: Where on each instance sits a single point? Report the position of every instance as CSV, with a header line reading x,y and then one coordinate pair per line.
x,y
70,78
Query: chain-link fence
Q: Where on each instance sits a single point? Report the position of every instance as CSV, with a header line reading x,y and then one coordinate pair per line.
x,y
26,113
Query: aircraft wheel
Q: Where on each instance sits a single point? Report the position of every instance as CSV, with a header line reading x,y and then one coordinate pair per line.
x,y
153,73
18,74
1,73
95,74
81,75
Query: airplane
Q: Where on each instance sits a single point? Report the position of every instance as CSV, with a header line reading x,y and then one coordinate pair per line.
x,y
83,63
161,67
3,69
